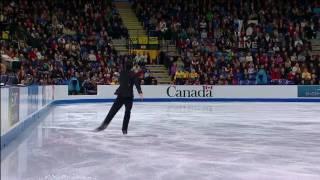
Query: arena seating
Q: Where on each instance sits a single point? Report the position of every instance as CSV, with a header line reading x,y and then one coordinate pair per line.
x,y
54,41
217,38
221,42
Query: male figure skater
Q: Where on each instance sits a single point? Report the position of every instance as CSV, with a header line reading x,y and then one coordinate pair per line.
x,y
124,97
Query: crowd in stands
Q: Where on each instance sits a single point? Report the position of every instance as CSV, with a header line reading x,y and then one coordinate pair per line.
x,y
237,41
62,42
219,42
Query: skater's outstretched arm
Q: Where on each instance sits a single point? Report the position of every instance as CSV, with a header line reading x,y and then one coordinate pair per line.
x,y
138,86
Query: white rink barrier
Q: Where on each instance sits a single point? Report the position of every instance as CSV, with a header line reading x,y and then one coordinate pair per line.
x,y
204,92
21,106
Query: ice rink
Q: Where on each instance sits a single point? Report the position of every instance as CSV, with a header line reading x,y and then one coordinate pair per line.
x,y
171,141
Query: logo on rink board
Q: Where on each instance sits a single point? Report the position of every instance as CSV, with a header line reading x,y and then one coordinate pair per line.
x,y
14,101
176,91
309,91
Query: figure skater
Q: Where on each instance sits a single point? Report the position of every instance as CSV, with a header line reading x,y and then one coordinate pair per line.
x,y
124,97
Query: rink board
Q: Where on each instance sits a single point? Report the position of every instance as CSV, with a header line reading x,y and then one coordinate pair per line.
x,y
202,92
20,106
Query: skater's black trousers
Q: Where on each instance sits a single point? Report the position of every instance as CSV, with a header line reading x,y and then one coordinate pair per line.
x,y
127,102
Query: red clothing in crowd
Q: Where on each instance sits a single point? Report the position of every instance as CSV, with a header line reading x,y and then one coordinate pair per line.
x,y
275,75
291,76
98,57
263,59
54,46
32,55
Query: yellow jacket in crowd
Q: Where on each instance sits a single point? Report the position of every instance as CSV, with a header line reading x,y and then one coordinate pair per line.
x,y
179,75
194,75
185,75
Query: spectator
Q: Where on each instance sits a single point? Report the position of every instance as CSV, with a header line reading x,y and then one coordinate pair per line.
x,y
178,78
306,76
52,42
275,74
193,75
3,75
154,81
147,78
90,87
261,78
173,70
92,56
260,37
55,47
74,87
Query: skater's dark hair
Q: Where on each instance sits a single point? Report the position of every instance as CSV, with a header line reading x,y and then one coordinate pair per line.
x,y
128,66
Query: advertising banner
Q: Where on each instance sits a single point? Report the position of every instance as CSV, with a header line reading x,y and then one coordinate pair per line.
x,y
309,91
144,40
190,91
13,106
211,92
153,40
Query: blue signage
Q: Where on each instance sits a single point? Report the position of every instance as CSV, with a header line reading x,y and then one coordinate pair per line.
x,y
309,91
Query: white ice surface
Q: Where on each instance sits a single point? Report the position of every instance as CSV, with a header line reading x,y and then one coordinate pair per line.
x,y
171,141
